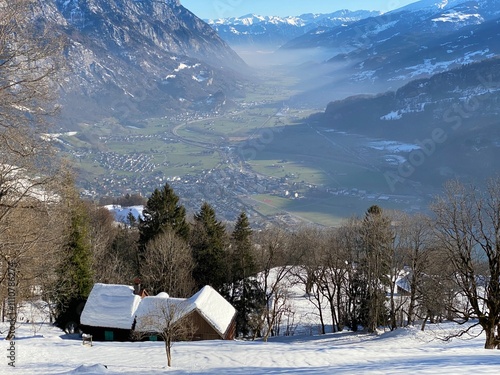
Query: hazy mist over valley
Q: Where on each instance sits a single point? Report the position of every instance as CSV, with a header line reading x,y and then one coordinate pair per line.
x,y
307,118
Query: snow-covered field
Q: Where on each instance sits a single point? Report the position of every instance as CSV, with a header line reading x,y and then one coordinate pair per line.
x,y
405,351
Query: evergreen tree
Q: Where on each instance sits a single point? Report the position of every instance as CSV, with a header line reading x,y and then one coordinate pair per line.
x,y
162,212
75,275
244,292
209,244
80,255
242,257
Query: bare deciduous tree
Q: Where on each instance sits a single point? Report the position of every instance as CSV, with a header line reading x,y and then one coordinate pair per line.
x,y
313,273
468,227
416,240
167,318
350,240
276,258
168,265
31,58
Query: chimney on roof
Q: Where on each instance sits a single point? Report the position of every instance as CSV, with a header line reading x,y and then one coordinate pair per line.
x,y
137,286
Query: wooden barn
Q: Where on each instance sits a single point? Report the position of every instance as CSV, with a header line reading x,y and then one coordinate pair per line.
x,y
113,312
211,315
109,312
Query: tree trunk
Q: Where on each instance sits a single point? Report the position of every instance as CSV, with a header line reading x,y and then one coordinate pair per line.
x,y
321,319
491,341
269,331
168,349
341,313
335,321
394,323
424,322
411,308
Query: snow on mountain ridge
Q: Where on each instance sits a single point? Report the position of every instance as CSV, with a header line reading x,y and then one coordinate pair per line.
x,y
276,31
301,20
437,5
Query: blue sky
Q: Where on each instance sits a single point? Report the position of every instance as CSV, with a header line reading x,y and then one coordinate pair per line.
x,y
231,8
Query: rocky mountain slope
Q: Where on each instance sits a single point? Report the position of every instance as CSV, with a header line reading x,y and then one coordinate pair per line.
x,y
139,58
275,31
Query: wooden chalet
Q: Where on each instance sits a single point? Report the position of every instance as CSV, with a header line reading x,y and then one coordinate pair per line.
x,y
114,312
108,314
211,315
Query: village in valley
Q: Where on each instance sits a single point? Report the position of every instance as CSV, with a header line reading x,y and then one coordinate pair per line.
x,y
232,184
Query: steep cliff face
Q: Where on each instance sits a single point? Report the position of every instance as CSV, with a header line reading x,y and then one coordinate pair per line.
x,y
162,24
132,58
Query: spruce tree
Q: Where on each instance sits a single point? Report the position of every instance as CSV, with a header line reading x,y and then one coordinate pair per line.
x,y
75,274
242,257
209,244
162,212
244,292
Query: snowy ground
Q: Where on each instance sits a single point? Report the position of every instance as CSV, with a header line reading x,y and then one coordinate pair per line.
x,y
401,352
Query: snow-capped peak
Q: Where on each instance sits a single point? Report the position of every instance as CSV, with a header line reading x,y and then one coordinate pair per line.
x,y
430,5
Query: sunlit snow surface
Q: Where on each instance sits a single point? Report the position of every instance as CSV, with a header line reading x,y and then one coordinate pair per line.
x,y
405,351
121,213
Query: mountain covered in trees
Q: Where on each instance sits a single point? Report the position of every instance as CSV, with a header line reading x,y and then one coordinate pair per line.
x,y
131,59
461,105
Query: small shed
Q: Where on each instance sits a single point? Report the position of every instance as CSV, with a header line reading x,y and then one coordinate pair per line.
x,y
109,312
213,315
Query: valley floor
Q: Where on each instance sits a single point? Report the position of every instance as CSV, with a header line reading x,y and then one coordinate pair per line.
x,y
404,351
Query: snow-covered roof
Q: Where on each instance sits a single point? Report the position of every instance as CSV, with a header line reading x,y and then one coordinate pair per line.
x,y
208,302
116,306
214,308
110,306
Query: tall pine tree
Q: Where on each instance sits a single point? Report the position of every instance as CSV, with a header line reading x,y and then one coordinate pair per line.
x,y
162,212
243,291
209,243
242,257
75,275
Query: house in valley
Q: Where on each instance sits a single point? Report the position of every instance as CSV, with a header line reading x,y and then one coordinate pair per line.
x,y
114,312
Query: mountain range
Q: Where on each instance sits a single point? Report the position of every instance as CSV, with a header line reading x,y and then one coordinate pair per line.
x,y
134,59
427,68
404,75
275,31
384,52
